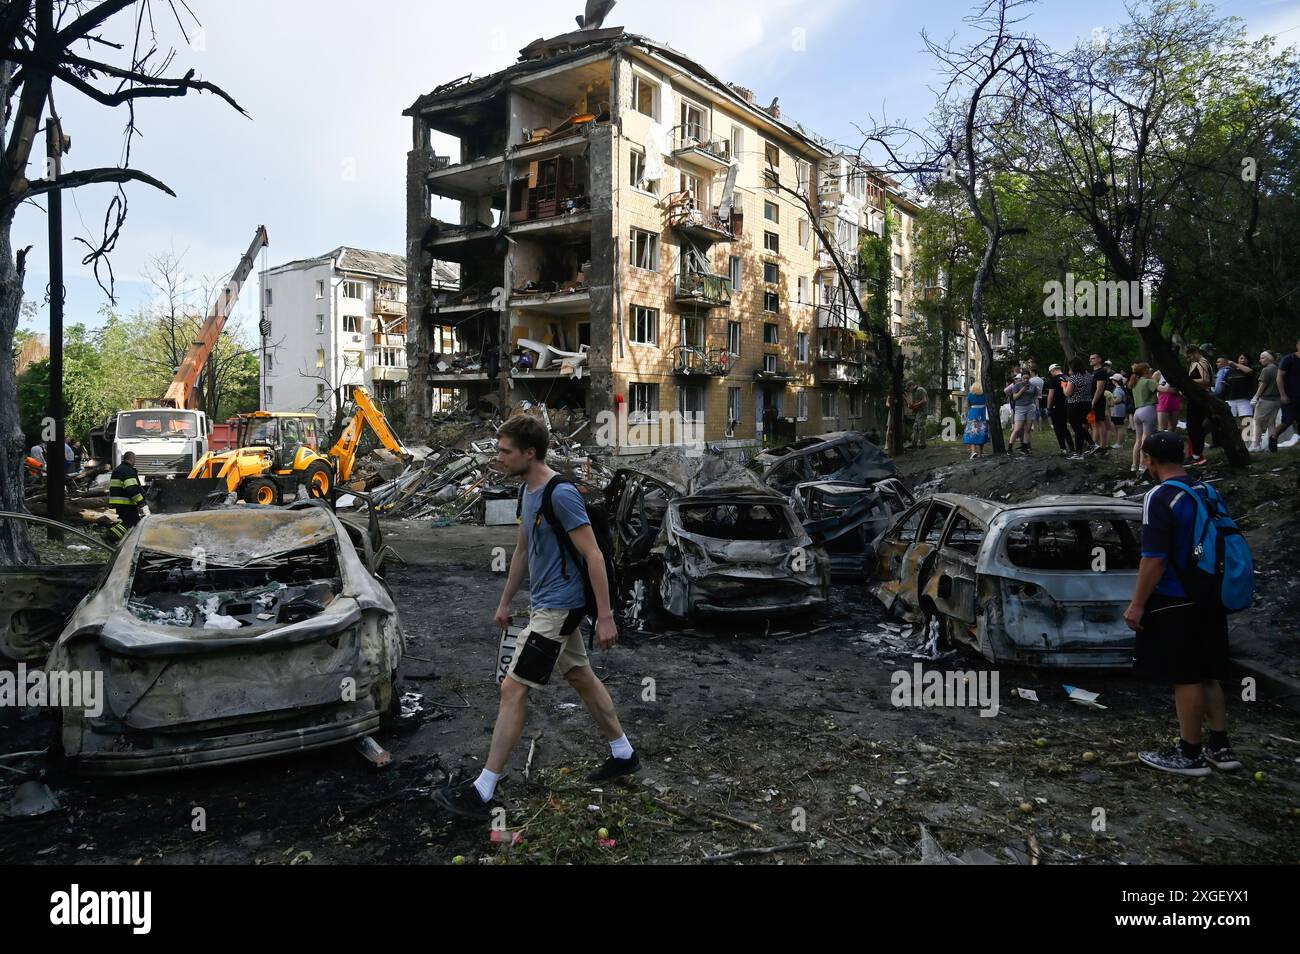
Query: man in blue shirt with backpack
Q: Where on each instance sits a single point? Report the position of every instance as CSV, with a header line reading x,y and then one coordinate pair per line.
x,y
558,549
1181,623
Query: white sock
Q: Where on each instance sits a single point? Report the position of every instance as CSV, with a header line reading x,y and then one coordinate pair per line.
x,y
486,784
621,748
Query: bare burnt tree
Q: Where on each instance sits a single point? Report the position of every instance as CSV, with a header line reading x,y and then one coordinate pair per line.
x,y
981,107
1131,135
66,44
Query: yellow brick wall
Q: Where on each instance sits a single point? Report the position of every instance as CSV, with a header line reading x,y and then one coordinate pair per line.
x,y
635,209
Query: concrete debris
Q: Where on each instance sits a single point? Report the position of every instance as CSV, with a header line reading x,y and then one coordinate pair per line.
x,y
29,800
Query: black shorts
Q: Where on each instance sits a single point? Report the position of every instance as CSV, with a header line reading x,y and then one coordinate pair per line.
x,y
1181,643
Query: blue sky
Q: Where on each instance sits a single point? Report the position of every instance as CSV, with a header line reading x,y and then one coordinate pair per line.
x,y
321,161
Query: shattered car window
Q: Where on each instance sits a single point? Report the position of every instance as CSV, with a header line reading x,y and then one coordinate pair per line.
x,y
185,592
1063,544
965,535
737,521
934,523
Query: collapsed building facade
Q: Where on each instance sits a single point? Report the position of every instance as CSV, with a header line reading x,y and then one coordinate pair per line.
x,y
626,243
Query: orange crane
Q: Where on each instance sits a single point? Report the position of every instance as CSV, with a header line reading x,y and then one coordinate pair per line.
x,y
180,393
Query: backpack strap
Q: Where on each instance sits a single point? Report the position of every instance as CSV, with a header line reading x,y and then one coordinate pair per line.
x,y
567,549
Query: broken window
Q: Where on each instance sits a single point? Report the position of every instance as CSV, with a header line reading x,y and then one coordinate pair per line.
x,y
737,521
801,404
771,303
733,410
771,334
645,402
645,325
1075,545
801,349
733,337
645,250
645,96
352,323
352,290
771,211
965,535
772,242
934,522
183,592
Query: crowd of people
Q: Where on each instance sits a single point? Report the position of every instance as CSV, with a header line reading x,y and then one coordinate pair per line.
x,y
1092,407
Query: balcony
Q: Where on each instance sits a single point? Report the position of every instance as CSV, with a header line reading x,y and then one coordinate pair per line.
x,y
833,369
557,298
697,288
467,180
704,225
691,143
773,374
690,362
388,373
390,306
837,316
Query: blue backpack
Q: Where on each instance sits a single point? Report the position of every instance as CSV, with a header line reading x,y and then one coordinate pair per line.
x,y
1221,572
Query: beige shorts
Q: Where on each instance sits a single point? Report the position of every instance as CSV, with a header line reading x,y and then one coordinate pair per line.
x,y
553,637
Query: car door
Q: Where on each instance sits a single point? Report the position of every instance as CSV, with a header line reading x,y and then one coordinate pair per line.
x,y
951,583
36,600
891,552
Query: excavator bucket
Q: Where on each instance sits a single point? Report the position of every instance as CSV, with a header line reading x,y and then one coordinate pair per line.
x,y
185,495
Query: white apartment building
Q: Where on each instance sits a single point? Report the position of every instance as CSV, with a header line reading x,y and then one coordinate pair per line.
x,y
331,323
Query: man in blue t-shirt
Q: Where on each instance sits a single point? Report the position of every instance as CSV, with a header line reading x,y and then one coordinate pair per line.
x,y
1178,641
553,637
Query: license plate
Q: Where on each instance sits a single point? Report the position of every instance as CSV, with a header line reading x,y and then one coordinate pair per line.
x,y
506,651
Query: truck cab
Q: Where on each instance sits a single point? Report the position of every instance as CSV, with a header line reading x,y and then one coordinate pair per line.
x,y
166,441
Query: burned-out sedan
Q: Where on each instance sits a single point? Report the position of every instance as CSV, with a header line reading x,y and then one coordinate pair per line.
x,y
228,635
847,518
847,457
1044,582
701,536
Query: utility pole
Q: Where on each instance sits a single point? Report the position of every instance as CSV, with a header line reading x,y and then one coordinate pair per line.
x,y
56,144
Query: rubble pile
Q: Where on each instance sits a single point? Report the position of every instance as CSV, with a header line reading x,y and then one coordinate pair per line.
x,y
456,480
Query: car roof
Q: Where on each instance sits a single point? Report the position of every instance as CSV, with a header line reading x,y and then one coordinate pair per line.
x,y
988,510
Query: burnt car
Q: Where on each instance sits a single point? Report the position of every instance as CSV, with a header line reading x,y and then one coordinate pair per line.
x,y
702,536
36,599
1044,582
228,635
842,456
847,518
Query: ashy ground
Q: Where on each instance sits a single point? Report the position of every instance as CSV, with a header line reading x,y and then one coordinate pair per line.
x,y
779,741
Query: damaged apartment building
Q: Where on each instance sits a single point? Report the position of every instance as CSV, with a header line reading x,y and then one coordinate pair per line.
x,y
632,238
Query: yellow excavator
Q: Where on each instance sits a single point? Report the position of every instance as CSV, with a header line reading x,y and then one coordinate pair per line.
x,y
278,453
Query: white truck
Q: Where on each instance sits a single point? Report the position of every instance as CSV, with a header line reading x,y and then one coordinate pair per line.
x,y
166,440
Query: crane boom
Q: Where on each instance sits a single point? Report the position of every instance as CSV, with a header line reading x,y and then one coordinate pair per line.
x,y
180,393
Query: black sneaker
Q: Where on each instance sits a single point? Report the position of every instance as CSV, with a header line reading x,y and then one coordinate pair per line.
x,y
616,768
1024,448
1272,445
464,800
1223,758
1174,760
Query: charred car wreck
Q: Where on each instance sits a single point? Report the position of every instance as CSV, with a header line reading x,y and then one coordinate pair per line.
x,y
846,457
847,518
701,536
229,635
1043,583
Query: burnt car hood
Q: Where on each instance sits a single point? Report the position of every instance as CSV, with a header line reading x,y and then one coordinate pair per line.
x,y
738,558
233,536
871,464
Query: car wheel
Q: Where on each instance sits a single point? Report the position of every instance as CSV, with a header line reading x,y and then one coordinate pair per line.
x,y
261,491
319,480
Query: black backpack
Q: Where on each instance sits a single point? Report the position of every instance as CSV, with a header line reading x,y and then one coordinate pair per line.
x,y
599,520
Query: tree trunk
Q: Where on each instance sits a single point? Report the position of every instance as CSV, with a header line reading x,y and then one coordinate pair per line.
x,y
15,544
986,349
1062,326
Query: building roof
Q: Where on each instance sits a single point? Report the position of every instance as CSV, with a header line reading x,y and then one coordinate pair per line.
x,y
365,262
543,54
